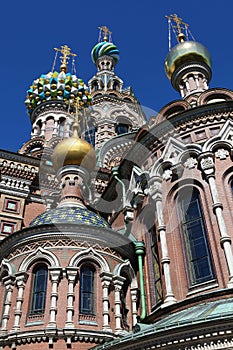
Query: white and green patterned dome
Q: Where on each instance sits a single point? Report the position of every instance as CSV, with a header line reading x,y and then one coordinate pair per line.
x,y
61,86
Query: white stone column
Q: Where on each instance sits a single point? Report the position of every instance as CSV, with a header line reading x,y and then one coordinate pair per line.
x,y
155,184
208,168
55,273
71,275
106,279
134,298
118,282
9,282
21,279
55,128
43,127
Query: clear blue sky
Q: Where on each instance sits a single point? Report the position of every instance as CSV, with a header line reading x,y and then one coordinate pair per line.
x,y
30,31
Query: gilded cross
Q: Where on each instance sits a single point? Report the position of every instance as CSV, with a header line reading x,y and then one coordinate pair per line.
x,y
66,52
105,32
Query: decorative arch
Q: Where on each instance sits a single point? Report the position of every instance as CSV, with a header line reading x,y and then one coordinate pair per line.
x,y
31,145
127,267
223,139
171,109
40,253
214,95
89,254
174,153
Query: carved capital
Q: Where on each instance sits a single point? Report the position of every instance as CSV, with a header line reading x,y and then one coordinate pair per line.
x,y
118,282
155,187
55,274
106,278
206,161
21,279
71,272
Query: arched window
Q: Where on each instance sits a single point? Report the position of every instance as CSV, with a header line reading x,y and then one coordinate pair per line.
x,y
87,290
40,276
115,86
122,128
197,251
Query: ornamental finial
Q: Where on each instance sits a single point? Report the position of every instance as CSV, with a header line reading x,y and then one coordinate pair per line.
x,y
104,34
179,27
66,53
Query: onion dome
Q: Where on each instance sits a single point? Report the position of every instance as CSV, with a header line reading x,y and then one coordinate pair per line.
x,y
105,49
69,215
60,86
185,52
74,151
57,86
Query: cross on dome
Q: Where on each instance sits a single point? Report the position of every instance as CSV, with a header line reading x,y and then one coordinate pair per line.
x,y
66,53
104,34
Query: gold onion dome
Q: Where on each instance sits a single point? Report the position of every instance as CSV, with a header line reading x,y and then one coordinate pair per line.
x,y
74,151
185,52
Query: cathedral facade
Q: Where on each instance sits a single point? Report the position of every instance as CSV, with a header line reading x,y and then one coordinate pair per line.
x,y
116,230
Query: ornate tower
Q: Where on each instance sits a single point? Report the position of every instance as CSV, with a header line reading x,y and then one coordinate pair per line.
x,y
116,111
188,64
50,105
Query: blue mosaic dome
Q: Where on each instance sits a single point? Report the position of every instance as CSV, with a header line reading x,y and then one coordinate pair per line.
x,y
72,215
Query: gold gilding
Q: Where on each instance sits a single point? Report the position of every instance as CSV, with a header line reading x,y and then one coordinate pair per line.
x,y
74,151
184,52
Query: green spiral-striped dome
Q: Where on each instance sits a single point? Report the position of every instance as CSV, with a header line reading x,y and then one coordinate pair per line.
x,y
105,48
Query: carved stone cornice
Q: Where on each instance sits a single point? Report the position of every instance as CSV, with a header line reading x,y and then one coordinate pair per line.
x,y
75,235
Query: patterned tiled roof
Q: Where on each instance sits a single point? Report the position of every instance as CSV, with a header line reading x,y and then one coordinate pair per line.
x,y
72,215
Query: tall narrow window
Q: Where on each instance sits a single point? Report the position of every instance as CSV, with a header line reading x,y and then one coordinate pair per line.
x,y
156,266
87,292
40,275
196,245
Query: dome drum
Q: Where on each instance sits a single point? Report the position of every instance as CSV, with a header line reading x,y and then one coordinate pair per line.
x,y
190,67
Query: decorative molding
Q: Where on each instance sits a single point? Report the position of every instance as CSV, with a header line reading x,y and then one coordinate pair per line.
x,y
66,243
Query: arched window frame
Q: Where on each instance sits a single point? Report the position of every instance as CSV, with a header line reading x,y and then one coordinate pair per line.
x,y
87,291
39,289
3,274
194,236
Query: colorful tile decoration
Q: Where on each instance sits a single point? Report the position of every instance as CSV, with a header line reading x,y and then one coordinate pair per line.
x,y
71,215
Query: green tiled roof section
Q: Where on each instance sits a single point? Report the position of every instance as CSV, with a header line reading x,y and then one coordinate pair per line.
x,y
205,312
